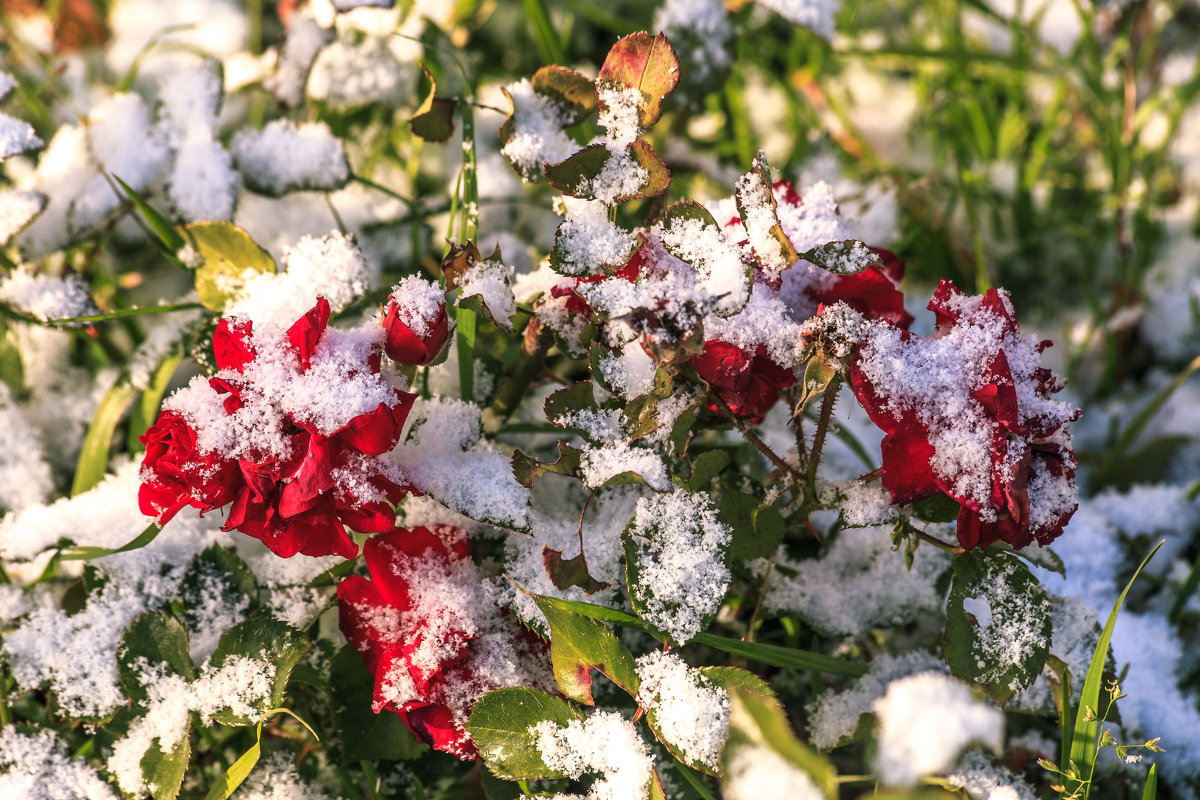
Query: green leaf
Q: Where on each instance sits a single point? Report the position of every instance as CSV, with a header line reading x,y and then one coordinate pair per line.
x,y
228,783
1008,652
842,258
145,411
771,654
1083,737
93,457
574,94
434,118
225,254
216,574
706,467
12,371
757,529
362,733
500,723
527,469
727,678
939,508
647,63
268,640
569,401
575,176
579,644
756,721
168,237
1150,790
154,639
163,772
88,553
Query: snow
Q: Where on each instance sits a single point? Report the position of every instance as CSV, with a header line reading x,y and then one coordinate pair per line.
x,y
679,547
285,156
757,771
858,584
240,684
491,280
446,457
700,32
691,713
630,370
17,208
605,743
305,38
276,778
537,137
330,266
835,714
76,654
588,242
816,15
16,136
984,780
45,296
925,720
418,303
25,478
1012,634
722,273
38,766
201,184
349,73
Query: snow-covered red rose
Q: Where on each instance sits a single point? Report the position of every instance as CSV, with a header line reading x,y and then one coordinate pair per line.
x,y
430,626
416,322
969,411
291,431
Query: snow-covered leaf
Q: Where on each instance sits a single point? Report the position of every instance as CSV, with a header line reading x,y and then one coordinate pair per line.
x,y
226,256
646,63
500,724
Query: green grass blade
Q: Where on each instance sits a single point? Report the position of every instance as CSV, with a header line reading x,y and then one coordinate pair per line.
x,y
88,553
544,38
1151,788
145,411
765,653
93,458
1083,739
162,227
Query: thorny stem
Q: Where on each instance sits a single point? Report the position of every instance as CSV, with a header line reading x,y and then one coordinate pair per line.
x,y
754,439
579,532
814,455
752,629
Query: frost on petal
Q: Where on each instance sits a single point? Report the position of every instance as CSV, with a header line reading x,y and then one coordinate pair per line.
x,y
286,156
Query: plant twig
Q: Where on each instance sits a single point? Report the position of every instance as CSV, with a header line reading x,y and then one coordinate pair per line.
x,y
754,439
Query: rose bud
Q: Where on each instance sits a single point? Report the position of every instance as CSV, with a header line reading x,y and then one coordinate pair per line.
x,y
416,322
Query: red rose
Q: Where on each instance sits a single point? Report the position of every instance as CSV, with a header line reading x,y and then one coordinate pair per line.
x,y
872,292
295,482
748,384
428,626
416,323
176,474
960,421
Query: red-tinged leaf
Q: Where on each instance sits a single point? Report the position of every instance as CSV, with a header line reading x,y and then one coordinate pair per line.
x,y
579,644
567,572
527,469
756,204
575,94
581,174
647,63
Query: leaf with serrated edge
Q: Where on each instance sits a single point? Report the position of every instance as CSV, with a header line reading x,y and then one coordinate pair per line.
x,y
269,640
646,63
153,640
1023,604
500,723
527,469
573,93
755,185
575,176
579,644
163,772
842,258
